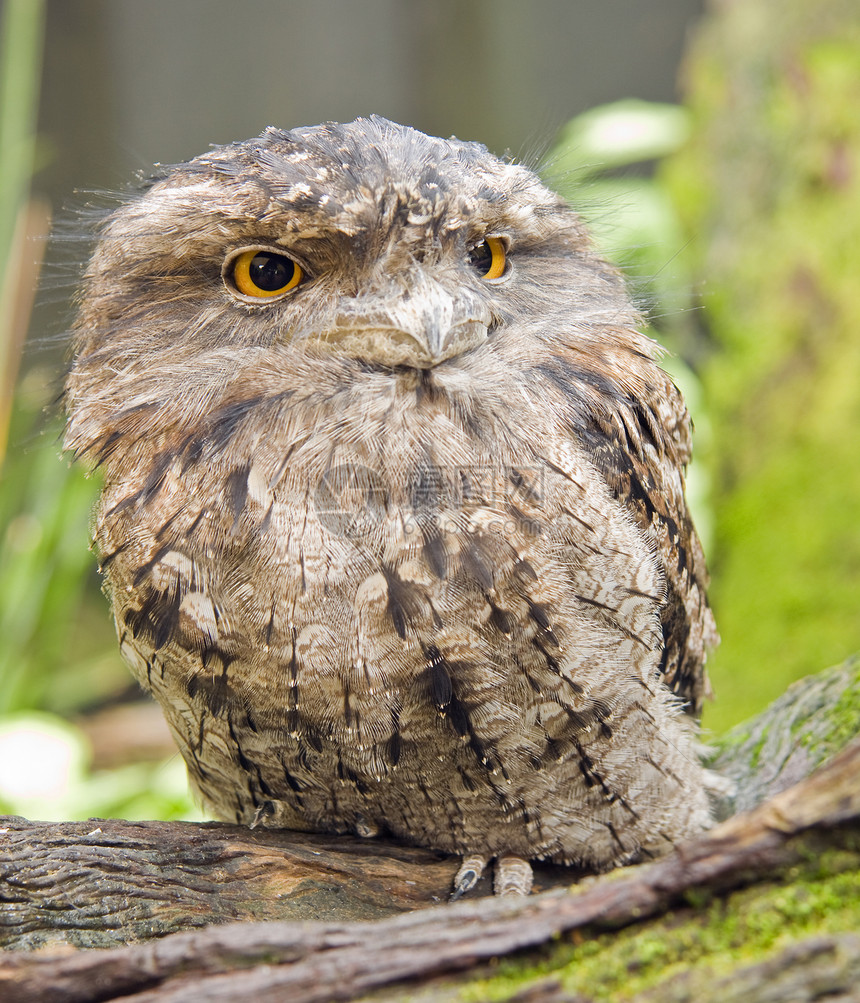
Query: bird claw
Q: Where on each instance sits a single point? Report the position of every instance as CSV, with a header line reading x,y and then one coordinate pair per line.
x,y
468,875
511,875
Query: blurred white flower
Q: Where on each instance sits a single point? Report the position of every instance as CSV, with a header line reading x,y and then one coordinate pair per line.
x,y
42,759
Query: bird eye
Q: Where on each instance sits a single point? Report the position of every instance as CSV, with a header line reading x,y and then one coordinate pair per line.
x,y
488,258
261,273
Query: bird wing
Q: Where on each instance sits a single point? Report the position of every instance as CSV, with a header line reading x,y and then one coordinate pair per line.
x,y
642,444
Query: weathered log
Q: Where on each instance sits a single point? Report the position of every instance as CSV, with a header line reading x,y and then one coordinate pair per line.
x,y
102,883
340,961
789,739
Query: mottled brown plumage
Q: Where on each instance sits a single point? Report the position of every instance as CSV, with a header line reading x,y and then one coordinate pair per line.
x,y
402,547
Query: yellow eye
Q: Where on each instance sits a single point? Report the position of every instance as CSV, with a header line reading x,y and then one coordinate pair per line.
x,y
261,273
488,258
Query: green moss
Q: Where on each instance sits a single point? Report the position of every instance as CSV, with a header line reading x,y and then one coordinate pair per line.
x,y
820,896
843,719
755,753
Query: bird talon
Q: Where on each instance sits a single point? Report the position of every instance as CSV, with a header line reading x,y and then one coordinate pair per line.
x,y
513,876
468,876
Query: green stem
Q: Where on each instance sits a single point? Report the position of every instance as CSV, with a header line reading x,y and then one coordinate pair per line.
x,y
21,36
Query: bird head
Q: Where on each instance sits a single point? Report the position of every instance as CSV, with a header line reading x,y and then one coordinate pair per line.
x,y
369,240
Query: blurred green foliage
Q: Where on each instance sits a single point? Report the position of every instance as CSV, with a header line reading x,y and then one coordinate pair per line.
x,y
597,164
46,773
768,189
632,219
45,568
57,646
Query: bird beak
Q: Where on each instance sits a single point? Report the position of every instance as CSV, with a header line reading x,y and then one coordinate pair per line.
x,y
421,326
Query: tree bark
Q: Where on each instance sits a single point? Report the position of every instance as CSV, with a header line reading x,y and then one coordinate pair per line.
x,y
106,882
340,961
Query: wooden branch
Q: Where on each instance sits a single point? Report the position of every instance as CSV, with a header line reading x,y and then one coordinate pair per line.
x,y
311,962
101,883
107,882
793,736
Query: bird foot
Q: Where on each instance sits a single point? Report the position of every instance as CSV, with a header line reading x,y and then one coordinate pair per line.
x,y
468,875
512,875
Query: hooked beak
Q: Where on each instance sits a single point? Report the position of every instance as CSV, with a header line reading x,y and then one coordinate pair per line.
x,y
420,327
